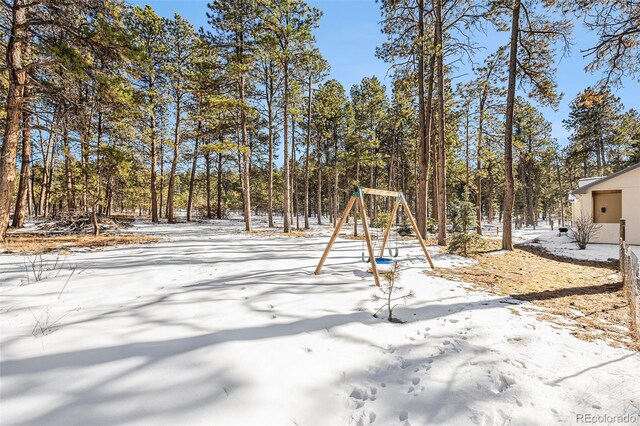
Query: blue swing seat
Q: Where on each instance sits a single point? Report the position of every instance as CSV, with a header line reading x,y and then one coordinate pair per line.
x,y
384,261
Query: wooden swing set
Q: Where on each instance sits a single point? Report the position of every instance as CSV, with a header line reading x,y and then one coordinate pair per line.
x,y
358,196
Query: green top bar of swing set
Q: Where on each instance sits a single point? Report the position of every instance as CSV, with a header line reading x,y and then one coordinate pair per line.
x,y
361,191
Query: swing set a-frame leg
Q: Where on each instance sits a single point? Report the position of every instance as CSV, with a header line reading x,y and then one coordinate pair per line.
x,y
367,237
387,231
415,229
335,234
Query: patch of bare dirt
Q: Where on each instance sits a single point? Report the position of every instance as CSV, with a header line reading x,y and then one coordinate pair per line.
x,y
587,298
36,243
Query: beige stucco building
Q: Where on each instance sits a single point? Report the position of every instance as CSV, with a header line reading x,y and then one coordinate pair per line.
x,y
607,200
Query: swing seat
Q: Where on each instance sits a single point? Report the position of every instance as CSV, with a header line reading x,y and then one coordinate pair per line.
x,y
379,260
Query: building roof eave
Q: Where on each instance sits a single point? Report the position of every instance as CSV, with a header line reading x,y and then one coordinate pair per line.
x,y
585,189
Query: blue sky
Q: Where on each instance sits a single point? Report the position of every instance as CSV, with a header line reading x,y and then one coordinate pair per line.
x,y
350,32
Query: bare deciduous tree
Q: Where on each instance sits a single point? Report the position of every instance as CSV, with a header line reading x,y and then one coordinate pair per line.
x,y
584,229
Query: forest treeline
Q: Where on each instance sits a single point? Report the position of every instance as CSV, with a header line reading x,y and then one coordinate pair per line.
x,y
110,108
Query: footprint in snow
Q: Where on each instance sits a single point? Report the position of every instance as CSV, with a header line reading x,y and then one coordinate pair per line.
x,y
517,363
363,418
504,383
359,395
404,415
452,320
356,398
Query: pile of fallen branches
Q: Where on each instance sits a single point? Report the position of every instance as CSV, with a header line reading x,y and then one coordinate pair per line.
x,y
79,224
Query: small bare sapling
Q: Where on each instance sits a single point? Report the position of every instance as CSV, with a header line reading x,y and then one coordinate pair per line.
x,y
392,295
39,268
44,325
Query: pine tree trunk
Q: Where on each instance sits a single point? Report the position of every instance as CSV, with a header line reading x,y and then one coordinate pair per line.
x,y
319,184
68,173
171,217
98,196
466,143
479,167
285,117
154,161
270,130
94,221
246,193
434,175
219,186
336,180
509,193
84,158
161,203
84,165
306,159
207,158
560,191
355,212
46,154
25,169
490,186
294,174
441,166
109,191
50,166
423,149
13,108
194,165
30,200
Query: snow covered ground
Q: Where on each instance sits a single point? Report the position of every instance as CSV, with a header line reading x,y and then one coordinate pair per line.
x,y
565,247
214,326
